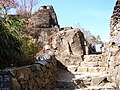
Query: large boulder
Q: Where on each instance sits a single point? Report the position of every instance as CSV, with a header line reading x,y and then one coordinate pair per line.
x,y
69,46
45,17
42,24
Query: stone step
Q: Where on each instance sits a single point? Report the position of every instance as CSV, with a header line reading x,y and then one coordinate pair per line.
x,y
72,68
65,85
86,68
93,57
86,82
91,69
91,64
98,88
91,81
84,73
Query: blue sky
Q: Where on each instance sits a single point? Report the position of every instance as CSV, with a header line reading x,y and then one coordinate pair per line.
x,y
93,15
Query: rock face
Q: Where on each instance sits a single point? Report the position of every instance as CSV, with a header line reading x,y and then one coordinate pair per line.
x,y
45,17
69,46
34,77
42,24
114,45
115,20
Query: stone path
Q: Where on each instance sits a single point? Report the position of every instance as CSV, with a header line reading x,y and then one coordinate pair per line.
x,y
89,75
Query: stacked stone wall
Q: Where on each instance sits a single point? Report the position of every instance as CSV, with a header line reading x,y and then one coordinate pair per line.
x,y
34,77
114,46
115,20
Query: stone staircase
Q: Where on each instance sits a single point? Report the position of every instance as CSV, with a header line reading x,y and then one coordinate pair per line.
x,y
89,75
91,64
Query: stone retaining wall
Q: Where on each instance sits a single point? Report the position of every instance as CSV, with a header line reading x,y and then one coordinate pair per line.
x,y
114,45
115,20
34,77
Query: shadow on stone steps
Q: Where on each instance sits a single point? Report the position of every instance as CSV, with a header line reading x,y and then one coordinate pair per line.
x,y
64,78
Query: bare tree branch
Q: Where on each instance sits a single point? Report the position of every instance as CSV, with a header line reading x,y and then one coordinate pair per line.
x,y
25,7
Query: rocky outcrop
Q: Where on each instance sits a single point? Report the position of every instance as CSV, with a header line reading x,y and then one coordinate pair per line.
x,y
34,77
69,46
115,20
42,24
45,17
114,45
